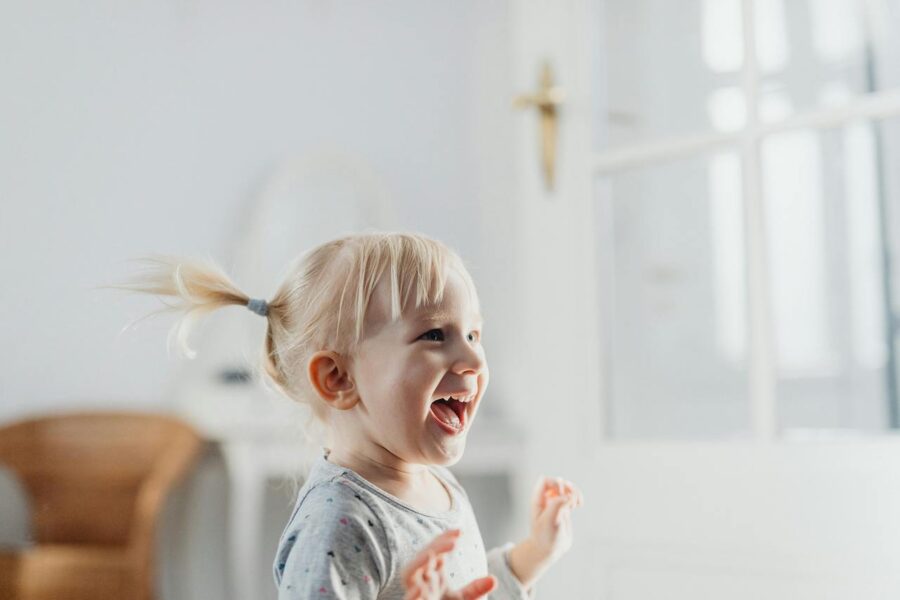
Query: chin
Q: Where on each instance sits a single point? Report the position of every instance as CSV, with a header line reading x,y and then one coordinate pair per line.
x,y
447,457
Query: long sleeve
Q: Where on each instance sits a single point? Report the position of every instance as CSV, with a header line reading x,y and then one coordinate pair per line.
x,y
334,551
508,585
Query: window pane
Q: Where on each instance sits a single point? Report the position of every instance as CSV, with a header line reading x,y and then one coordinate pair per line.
x,y
671,256
669,68
820,53
825,194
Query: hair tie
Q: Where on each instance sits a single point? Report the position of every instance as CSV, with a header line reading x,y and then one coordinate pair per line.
x,y
259,306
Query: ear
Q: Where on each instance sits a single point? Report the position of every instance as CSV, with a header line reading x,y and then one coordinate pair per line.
x,y
328,374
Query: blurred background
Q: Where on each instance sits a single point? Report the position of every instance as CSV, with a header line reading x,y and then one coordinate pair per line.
x,y
683,218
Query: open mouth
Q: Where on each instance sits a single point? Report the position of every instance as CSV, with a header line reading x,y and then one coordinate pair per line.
x,y
451,412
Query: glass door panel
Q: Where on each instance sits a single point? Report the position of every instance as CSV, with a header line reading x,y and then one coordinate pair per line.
x,y
826,201
671,255
822,53
668,68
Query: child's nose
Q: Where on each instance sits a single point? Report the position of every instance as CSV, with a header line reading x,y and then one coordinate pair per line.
x,y
470,360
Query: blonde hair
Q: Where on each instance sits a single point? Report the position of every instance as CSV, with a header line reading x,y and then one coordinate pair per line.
x,y
320,305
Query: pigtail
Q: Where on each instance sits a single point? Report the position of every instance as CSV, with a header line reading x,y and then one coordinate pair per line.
x,y
193,287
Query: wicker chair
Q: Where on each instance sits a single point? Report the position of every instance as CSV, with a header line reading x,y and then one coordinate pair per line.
x,y
96,483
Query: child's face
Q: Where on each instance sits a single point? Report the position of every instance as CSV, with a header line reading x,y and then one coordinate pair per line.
x,y
402,368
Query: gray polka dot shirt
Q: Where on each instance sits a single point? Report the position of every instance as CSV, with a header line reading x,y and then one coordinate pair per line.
x,y
348,539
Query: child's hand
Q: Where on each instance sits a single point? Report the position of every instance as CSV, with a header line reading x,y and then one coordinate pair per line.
x,y
551,529
425,579
551,515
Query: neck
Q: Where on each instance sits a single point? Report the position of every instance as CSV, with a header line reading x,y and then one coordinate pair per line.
x,y
379,466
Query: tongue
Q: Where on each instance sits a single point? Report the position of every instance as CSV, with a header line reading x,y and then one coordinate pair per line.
x,y
445,413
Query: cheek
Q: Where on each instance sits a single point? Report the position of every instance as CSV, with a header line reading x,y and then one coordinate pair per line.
x,y
483,379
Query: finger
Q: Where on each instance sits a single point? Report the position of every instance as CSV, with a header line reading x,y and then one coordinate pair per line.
x,y
563,514
439,568
409,572
441,544
478,588
547,485
539,494
426,587
548,488
560,486
418,581
553,504
578,495
551,514
437,585
416,586
428,572
431,580
443,540
415,578
574,491
442,578
439,576
435,579
444,543
551,487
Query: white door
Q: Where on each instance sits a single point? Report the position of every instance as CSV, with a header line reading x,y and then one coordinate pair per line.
x,y
706,294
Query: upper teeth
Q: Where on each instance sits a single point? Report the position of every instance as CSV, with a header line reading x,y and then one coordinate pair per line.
x,y
464,400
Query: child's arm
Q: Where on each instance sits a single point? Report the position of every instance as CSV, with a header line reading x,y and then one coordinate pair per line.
x,y
335,551
551,530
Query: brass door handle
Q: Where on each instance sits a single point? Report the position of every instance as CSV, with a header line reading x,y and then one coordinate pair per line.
x,y
547,100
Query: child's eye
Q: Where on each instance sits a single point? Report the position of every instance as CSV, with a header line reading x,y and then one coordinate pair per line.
x,y
433,335
474,336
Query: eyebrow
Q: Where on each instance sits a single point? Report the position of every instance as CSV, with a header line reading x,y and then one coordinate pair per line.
x,y
436,317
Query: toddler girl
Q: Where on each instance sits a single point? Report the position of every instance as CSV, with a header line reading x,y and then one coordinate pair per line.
x,y
380,334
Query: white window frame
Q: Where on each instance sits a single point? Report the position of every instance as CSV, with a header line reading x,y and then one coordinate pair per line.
x,y
879,105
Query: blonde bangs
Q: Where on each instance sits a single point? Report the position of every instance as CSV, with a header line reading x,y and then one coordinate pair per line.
x,y
416,268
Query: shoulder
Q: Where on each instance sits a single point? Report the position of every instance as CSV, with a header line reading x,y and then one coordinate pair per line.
x,y
336,498
333,523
